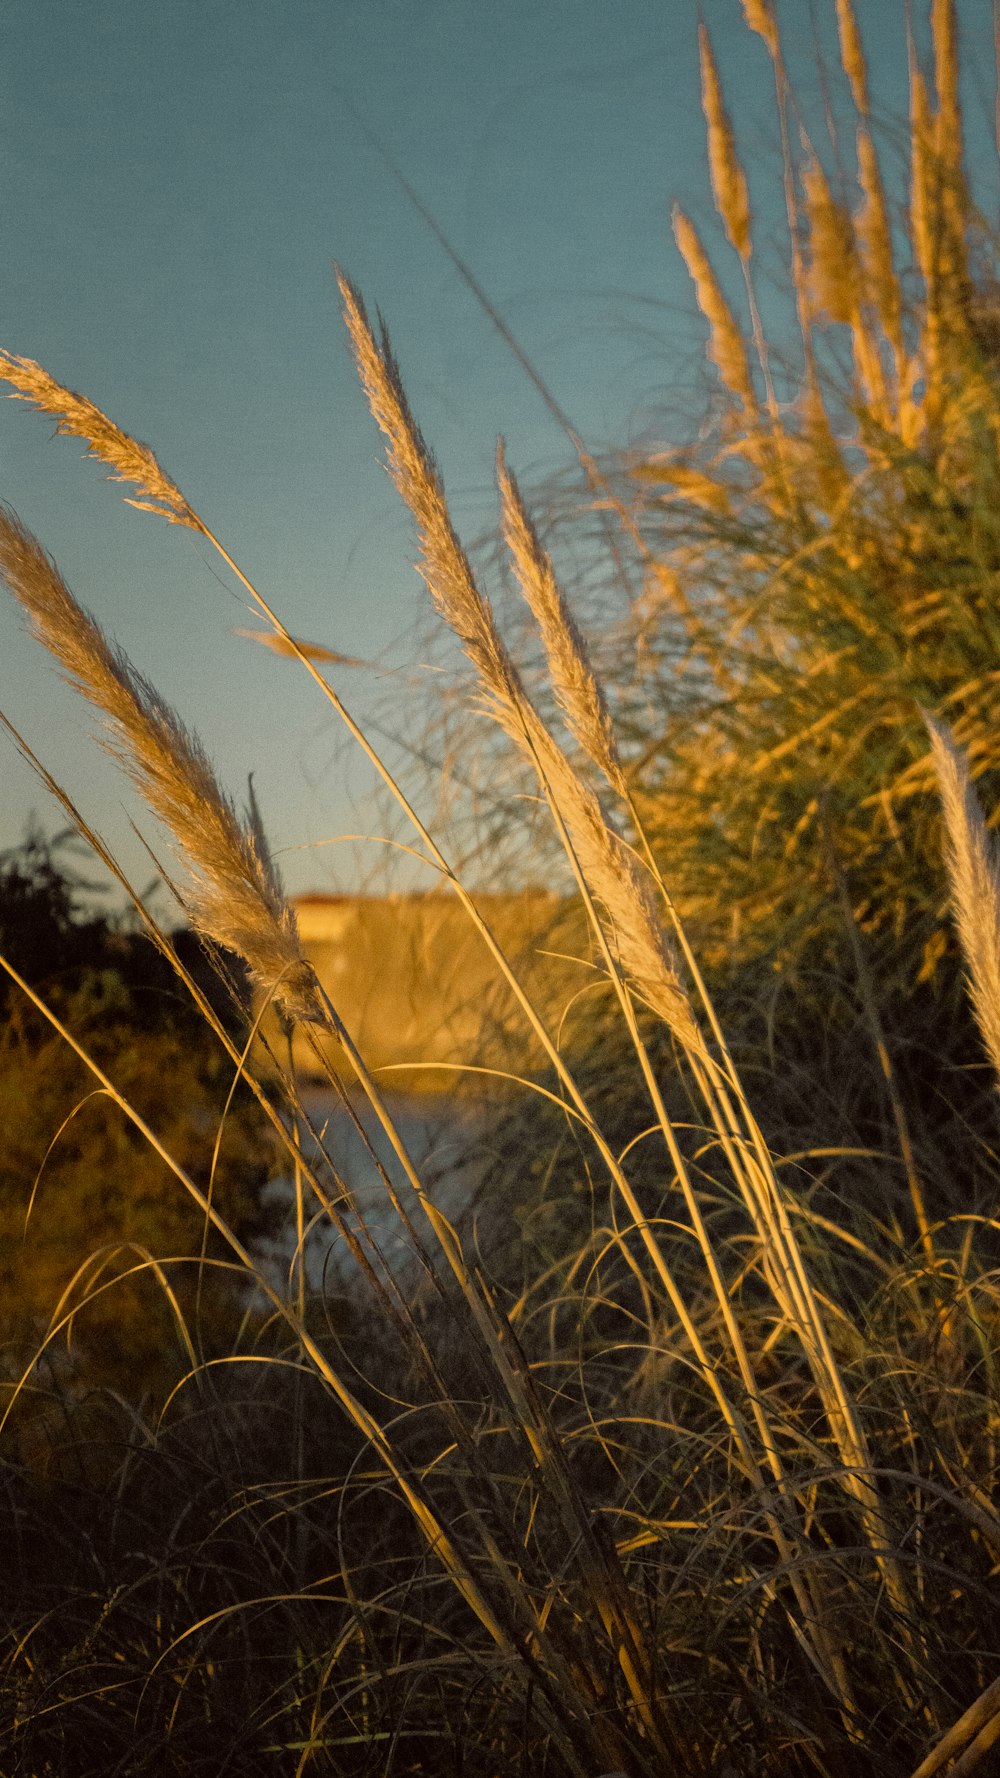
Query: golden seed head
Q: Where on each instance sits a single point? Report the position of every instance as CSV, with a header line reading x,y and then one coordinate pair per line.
x,y
77,417
729,186
726,347
974,875
578,690
852,55
606,863
832,259
760,17
875,240
234,895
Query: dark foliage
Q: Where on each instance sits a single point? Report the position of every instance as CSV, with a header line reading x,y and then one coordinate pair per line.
x,y
78,1183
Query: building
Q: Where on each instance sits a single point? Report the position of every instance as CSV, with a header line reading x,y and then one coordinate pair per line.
x,y
415,983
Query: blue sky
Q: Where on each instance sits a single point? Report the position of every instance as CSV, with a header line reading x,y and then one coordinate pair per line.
x,y
178,179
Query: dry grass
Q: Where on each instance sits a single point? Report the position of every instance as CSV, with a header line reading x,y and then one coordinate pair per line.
x,y
818,568
715,1489
235,896
974,870
76,417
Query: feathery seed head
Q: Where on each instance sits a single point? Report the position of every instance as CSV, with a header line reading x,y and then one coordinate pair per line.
x,y
852,55
875,239
726,347
444,566
128,460
944,37
760,17
921,199
576,685
948,137
610,870
607,865
973,862
833,266
729,186
234,897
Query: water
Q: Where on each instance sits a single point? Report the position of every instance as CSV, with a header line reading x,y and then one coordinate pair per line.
x,y
440,1136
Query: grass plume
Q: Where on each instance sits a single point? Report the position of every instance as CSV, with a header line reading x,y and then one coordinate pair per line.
x,y
637,936
234,894
726,348
759,15
852,54
577,688
729,185
698,1472
973,860
78,417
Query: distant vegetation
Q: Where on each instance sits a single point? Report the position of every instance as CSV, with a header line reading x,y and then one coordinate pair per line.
x,y
83,1201
697,1475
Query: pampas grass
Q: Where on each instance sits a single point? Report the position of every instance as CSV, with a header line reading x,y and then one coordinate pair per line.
x,y
607,874
973,860
444,564
606,863
234,896
729,185
832,268
711,1485
816,568
759,15
77,417
852,54
725,342
578,690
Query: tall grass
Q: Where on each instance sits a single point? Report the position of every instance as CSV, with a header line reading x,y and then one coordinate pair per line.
x,y
716,1493
822,562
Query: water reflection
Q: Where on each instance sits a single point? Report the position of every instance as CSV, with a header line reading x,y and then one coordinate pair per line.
x,y
439,1133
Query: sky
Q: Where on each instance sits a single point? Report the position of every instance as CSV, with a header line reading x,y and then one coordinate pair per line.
x,y
178,180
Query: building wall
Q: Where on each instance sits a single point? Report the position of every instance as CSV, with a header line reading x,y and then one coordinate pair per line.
x,y
414,983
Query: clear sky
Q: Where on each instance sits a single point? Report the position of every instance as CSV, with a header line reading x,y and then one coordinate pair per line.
x,y
177,180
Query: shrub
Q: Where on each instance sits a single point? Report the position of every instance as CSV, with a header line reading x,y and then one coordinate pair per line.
x,y
76,1180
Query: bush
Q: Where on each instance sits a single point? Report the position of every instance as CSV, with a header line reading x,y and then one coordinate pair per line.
x,y
77,1182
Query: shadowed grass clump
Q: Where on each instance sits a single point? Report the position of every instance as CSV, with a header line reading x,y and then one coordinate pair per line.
x,y
712,1490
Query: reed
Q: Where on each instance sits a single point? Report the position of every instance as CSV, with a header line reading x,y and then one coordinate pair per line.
x,y
729,184
974,873
821,570
710,1484
77,417
235,896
